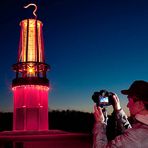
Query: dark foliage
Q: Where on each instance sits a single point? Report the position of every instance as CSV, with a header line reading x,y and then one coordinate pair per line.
x,y
68,120
6,120
73,121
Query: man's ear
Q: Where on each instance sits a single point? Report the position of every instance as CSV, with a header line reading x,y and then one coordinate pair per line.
x,y
141,104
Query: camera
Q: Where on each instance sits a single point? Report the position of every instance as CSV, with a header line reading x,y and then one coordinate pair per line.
x,y
103,98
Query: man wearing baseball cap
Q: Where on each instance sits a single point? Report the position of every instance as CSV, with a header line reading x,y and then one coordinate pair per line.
x,y
135,136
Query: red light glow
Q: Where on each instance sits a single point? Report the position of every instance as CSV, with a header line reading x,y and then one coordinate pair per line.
x,y
30,107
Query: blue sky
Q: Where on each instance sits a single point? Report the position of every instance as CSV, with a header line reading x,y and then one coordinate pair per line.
x,y
89,44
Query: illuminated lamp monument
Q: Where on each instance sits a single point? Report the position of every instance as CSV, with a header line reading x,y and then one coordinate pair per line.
x,y
30,93
30,86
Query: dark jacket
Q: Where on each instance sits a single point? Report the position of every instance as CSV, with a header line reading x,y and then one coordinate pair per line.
x,y
135,137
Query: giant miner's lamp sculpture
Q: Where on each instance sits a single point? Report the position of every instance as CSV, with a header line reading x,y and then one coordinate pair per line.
x,y
30,86
30,93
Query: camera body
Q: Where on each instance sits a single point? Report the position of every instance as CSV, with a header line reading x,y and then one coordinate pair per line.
x,y
103,98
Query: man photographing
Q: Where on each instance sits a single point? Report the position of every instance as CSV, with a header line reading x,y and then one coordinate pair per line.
x,y
132,137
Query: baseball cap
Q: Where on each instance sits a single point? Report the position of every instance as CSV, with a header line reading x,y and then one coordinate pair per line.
x,y
138,88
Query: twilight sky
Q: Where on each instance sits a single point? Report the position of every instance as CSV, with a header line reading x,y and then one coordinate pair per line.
x,y
89,44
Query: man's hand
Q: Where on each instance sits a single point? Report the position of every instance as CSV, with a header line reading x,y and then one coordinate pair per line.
x,y
99,117
116,104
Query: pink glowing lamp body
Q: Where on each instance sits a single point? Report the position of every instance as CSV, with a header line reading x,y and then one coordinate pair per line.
x,y
30,87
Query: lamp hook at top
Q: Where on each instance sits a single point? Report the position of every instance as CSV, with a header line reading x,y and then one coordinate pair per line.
x,y
34,12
